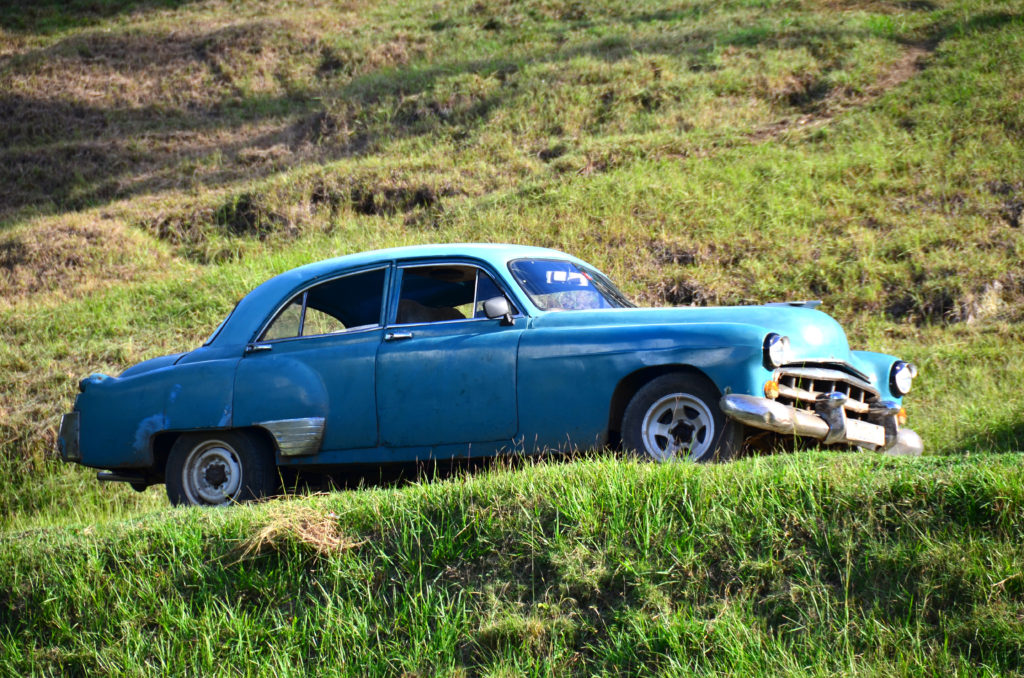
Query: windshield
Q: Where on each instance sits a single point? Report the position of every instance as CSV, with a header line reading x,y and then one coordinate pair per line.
x,y
555,285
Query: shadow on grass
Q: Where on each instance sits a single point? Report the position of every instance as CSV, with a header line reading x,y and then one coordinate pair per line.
x,y
66,153
1001,438
52,16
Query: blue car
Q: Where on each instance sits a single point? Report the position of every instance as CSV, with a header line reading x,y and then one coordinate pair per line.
x,y
454,351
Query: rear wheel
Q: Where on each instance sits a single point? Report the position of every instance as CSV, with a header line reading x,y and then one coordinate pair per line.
x,y
676,416
219,468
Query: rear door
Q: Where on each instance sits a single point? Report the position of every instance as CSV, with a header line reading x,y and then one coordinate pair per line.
x,y
316,360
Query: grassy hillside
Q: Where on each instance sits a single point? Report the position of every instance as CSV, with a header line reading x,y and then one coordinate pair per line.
x,y
817,565
159,159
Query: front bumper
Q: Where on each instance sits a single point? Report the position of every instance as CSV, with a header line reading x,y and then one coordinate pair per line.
x,y
828,423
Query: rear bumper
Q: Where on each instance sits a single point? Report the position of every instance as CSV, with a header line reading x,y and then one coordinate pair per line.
x,y
67,439
828,423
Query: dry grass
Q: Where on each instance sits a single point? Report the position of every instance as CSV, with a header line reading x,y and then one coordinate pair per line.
x,y
70,256
289,525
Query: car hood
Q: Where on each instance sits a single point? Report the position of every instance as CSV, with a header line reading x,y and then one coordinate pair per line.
x,y
813,335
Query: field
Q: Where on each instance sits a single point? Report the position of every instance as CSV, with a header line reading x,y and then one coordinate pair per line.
x,y
159,159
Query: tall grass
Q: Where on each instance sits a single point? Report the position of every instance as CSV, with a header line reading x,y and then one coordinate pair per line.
x,y
794,565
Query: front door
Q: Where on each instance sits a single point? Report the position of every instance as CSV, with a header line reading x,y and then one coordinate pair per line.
x,y
446,373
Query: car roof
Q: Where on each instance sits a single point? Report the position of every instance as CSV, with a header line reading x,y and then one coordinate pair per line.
x,y
252,310
497,255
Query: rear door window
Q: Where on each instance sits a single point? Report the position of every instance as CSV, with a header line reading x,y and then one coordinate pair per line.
x,y
351,302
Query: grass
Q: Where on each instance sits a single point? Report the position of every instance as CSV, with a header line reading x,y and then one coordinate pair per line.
x,y
160,159
811,565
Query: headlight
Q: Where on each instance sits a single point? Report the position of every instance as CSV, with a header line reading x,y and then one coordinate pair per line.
x,y
776,350
902,377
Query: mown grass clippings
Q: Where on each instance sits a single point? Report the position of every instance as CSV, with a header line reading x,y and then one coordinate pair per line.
x,y
305,528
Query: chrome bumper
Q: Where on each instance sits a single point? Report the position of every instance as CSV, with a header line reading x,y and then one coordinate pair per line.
x,y
67,438
829,423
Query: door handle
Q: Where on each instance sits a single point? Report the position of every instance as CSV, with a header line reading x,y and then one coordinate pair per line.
x,y
397,336
256,348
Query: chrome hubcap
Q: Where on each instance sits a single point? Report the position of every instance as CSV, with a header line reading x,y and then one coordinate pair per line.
x,y
212,473
678,426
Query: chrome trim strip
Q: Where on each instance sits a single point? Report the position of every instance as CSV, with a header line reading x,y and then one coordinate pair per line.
x,y
296,437
68,437
811,363
310,284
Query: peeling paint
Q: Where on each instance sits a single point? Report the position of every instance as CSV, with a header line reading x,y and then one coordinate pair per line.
x,y
225,419
148,427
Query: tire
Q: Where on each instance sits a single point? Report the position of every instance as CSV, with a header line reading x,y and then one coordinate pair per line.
x,y
676,416
219,468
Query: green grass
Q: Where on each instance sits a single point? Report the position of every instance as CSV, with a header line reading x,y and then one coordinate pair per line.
x,y
160,159
810,565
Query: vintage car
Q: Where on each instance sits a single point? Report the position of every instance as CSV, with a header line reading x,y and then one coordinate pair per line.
x,y
446,351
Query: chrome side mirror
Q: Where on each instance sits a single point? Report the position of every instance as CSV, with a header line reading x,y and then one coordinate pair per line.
x,y
498,307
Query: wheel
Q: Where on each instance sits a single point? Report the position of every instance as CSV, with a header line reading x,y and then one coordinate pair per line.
x,y
219,468
676,416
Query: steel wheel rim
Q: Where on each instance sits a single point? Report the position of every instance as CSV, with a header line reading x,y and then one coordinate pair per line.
x,y
212,474
678,426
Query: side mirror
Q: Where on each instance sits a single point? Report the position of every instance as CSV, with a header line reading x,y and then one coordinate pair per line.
x,y
498,307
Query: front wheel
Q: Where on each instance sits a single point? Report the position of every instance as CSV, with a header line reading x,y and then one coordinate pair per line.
x,y
676,416
219,468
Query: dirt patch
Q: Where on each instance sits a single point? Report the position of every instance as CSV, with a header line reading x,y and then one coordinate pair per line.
x,y
947,301
389,200
818,104
1013,201
684,291
667,252
550,153
249,215
246,215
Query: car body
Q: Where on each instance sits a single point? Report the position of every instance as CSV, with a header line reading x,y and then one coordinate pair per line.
x,y
447,351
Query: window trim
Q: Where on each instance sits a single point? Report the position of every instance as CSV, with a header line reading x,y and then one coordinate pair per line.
x,y
396,296
302,290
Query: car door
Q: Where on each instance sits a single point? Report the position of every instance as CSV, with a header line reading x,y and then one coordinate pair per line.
x,y
446,374
314,365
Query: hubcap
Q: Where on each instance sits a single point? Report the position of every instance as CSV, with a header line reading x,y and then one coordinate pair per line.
x,y
678,426
212,473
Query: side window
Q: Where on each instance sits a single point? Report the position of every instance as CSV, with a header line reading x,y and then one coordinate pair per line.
x,y
443,292
339,305
487,289
287,322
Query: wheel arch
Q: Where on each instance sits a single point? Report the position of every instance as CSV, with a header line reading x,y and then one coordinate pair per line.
x,y
633,382
163,442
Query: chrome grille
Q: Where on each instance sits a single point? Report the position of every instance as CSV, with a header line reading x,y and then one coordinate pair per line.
x,y
800,387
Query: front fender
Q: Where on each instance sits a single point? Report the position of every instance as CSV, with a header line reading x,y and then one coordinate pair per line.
x,y
877,366
568,375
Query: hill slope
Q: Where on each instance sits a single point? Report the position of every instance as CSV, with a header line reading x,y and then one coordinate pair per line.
x,y
812,565
159,159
